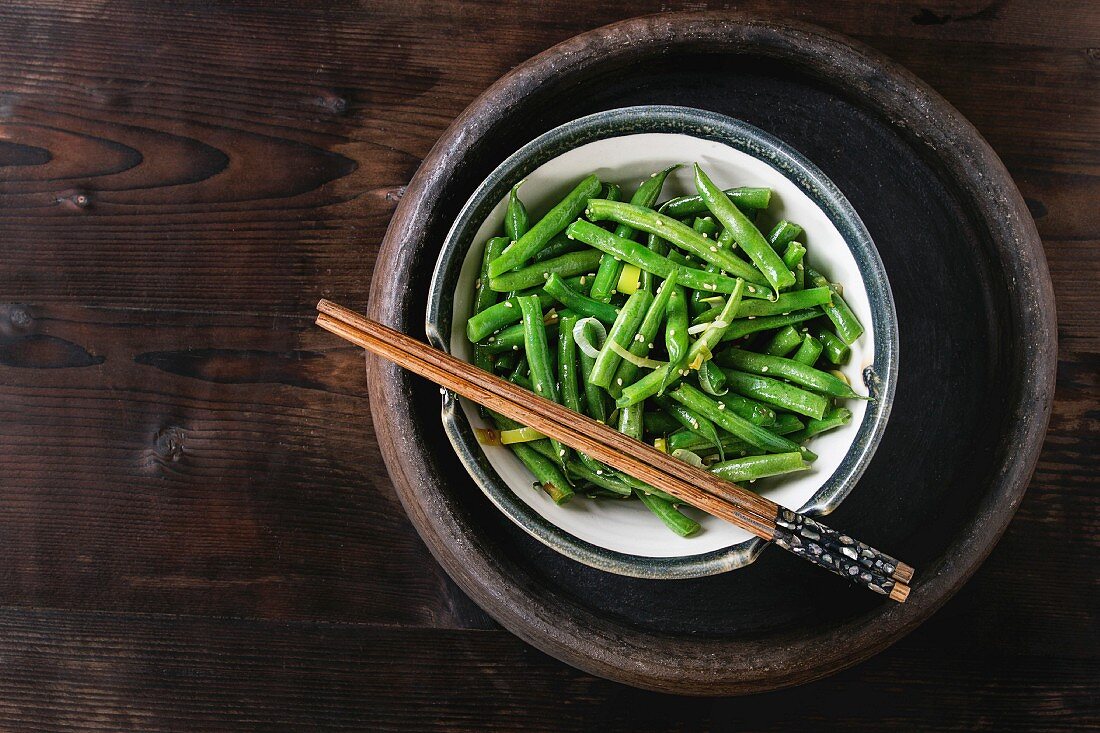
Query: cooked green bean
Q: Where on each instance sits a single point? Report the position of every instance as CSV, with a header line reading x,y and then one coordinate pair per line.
x,y
538,236
549,476
809,351
783,234
792,257
678,234
579,303
594,397
612,192
568,367
658,422
679,523
507,312
832,419
484,296
643,340
712,379
732,423
774,392
705,225
754,467
752,324
516,221
743,197
622,333
648,260
747,236
630,421
689,419
605,479
797,372
538,357
785,424
755,412
786,340
835,350
848,327
559,245
573,263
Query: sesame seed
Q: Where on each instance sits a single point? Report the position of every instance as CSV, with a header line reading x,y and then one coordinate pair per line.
x,y
561,452
546,276
515,348
752,318
651,346
713,248
619,381
752,289
477,283
492,339
763,369
721,405
508,303
538,387
639,338
787,313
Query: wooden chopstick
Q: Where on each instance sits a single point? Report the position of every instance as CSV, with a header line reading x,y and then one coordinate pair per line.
x,y
795,532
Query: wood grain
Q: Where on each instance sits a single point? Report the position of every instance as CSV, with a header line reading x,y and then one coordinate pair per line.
x,y
161,167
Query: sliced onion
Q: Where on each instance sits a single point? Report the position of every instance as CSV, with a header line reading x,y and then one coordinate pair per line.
x,y
688,457
580,335
634,359
698,328
487,436
704,356
519,435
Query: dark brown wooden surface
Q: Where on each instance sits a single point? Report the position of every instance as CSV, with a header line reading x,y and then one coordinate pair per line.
x,y
198,530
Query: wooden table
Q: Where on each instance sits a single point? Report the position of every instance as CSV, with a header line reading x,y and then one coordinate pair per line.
x,y
198,530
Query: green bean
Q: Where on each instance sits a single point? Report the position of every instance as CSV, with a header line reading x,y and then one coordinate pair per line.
x,y
484,296
726,240
567,363
690,419
621,333
744,232
835,350
552,480
647,333
612,192
630,421
579,303
667,513
754,467
648,260
573,263
755,412
507,312
786,340
752,324
538,357
834,418
538,236
792,256
593,396
785,424
785,303
678,234
774,392
516,221
705,226
520,369
712,380
783,234
559,245
509,339
809,351
755,435
660,423
657,380
504,363
743,197
797,372
605,479
848,327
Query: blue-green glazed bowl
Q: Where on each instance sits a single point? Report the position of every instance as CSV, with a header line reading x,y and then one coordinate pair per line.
x,y
624,146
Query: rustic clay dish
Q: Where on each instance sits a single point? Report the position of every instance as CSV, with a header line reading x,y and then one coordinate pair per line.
x,y
628,144
976,333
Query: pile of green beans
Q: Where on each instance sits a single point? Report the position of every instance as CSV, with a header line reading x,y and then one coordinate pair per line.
x,y
681,323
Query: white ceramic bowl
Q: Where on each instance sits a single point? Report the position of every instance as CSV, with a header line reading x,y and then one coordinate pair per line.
x,y
623,536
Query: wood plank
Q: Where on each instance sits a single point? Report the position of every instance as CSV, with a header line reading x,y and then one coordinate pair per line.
x,y
119,672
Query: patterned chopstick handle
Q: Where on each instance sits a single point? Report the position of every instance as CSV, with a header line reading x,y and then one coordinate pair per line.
x,y
809,539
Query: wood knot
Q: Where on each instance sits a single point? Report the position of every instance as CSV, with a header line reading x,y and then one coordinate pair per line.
x,y
168,443
20,318
332,103
75,200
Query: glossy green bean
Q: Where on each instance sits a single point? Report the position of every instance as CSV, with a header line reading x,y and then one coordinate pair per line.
x,y
658,422
612,192
793,255
679,523
574,263
785,424
712,380
549,475
605,479
752,324
835,350
744,197
559,245
754,467
538,236
774,392
579,303
484,296
507,312
648,260
747,236
516,220
594,397
755,412
705,225
780,367
678,234
643,340
786,340
809,351
785,303
621,333
688,418
568,367
832,419
848,327
732,423
631,421
538,357
783,234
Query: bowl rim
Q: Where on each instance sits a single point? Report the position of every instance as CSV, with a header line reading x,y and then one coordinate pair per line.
x,y
880,377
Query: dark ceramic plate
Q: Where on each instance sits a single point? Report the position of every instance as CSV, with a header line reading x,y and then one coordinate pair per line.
x,y
975,313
